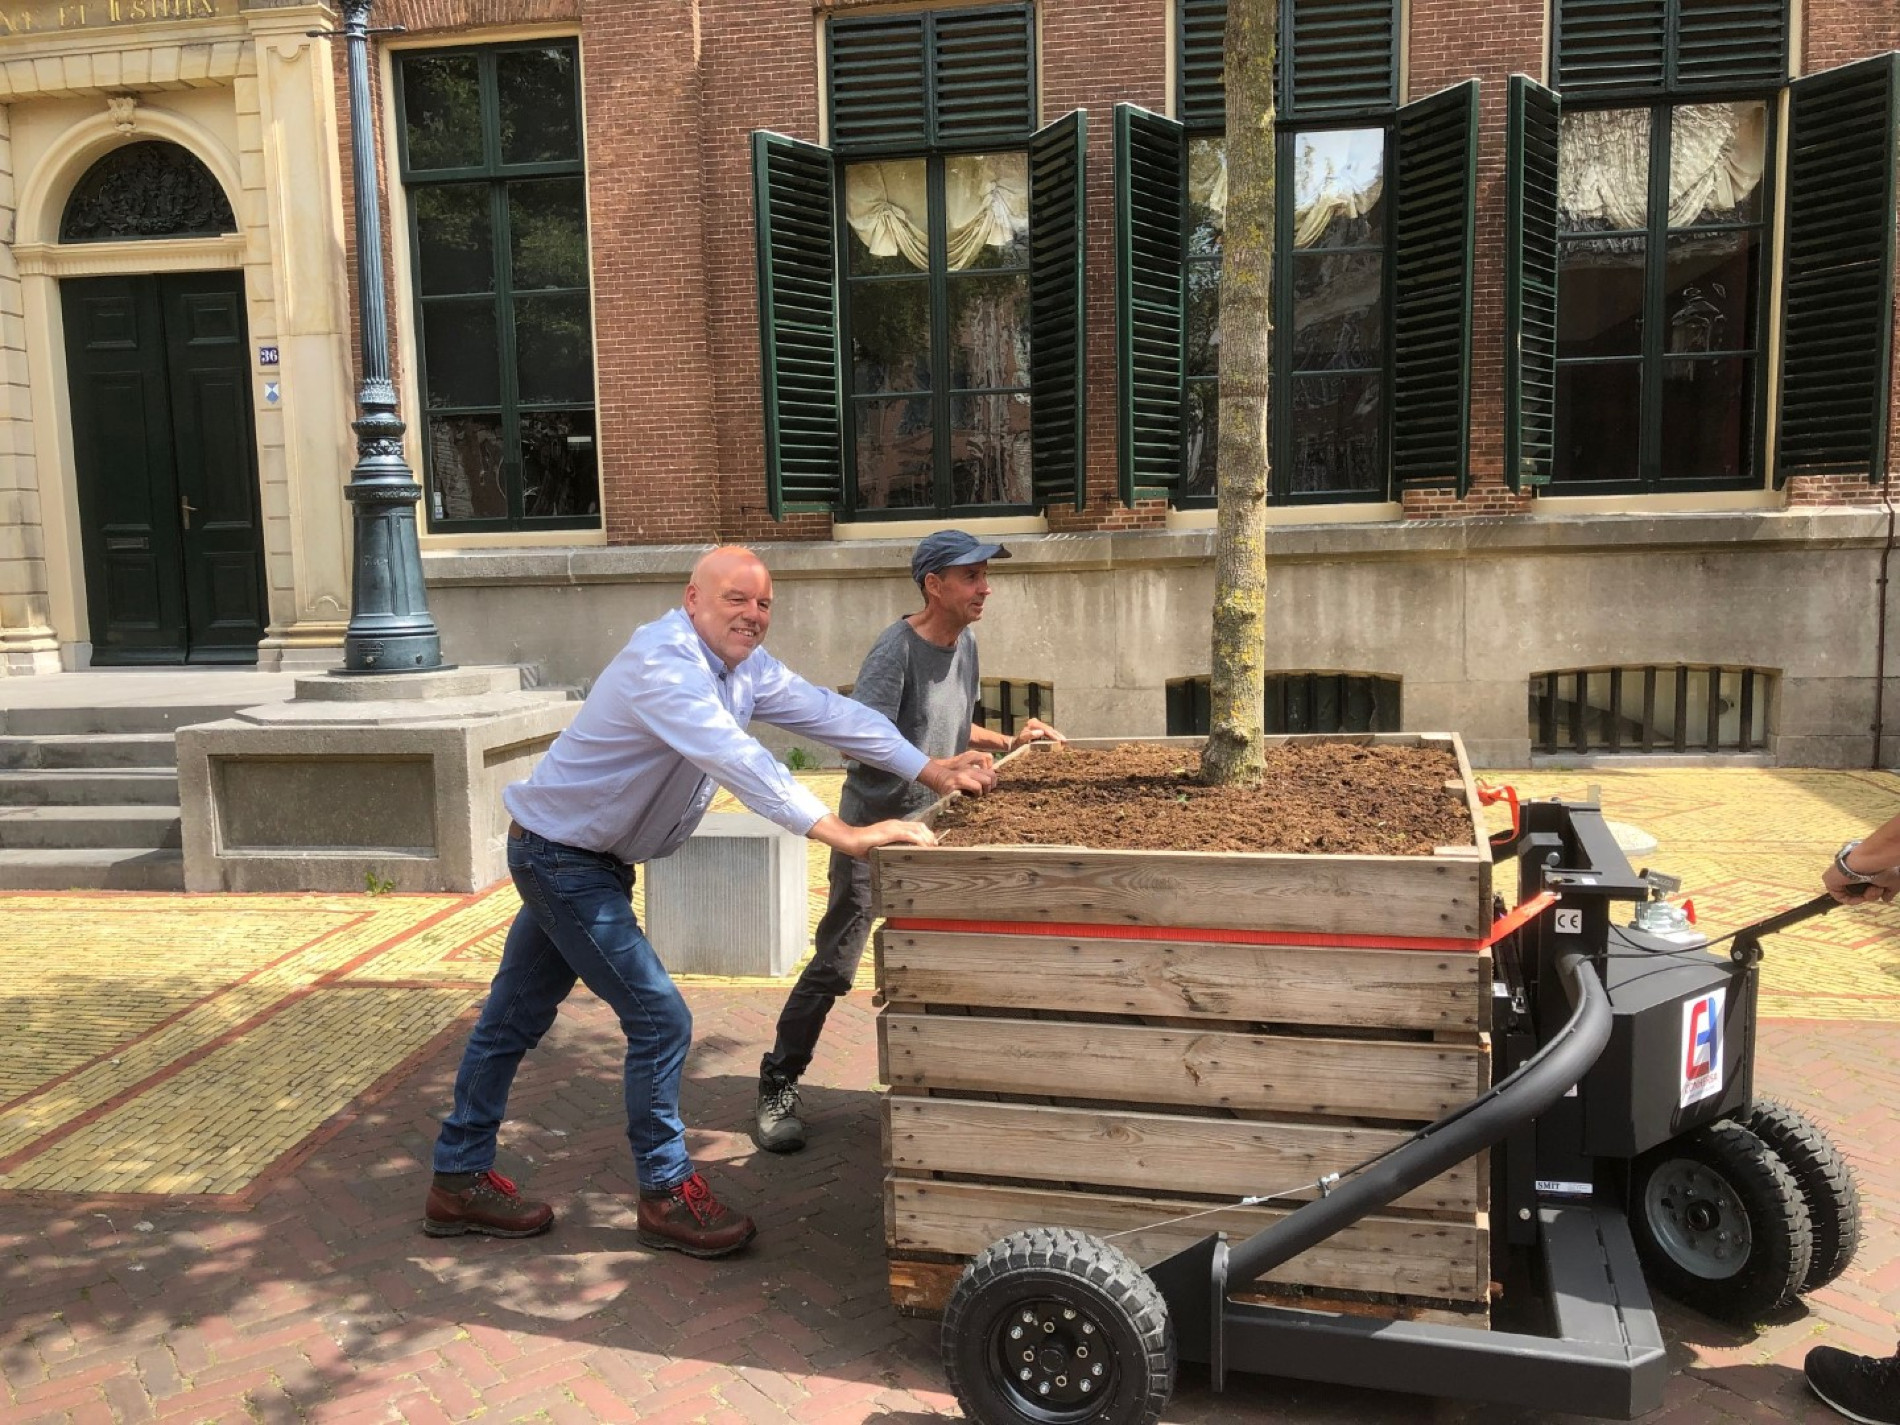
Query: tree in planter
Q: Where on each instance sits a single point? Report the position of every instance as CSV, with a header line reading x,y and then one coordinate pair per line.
x,y
1236,698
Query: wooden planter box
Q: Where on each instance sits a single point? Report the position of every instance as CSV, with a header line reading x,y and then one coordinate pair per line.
x,y
1109,1039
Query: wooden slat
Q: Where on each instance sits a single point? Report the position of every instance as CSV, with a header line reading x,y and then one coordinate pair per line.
x,y
1135,1064
1401,989
1152,1151
1409,1257
1435,896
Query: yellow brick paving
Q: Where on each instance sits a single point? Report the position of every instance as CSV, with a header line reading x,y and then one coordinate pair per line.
x,y
88,983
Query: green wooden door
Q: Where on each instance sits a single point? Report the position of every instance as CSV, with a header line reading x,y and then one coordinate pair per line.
x,y
167,467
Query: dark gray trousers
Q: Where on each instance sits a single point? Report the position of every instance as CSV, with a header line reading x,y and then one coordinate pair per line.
x,y
836,950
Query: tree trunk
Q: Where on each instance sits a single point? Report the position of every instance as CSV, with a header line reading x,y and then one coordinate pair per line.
x,y
1238,693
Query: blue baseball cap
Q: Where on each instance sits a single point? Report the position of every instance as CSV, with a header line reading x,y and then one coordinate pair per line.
x,y
948,548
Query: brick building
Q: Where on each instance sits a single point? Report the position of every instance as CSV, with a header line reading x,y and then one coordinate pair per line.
x,y
1583,353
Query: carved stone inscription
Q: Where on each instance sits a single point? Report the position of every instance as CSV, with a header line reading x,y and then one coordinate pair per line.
x,y
43,17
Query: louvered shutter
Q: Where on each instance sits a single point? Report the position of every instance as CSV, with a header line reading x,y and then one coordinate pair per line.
x,y
1731,43
1150,171
798,322
879,98
1201,92
1530,291
1433,223
1837,271
982,74
1342,56
1611,46
1057,365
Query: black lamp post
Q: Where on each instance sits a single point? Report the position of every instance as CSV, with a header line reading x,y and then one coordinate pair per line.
x,y
390,629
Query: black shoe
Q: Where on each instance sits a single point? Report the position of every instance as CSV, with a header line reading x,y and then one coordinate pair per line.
x,y
777,1127
1864,1388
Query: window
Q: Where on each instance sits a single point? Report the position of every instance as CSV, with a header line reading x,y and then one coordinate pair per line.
x,y
491,161
921,353
1640,203
1298,703
1653,708
1370,371
1004,706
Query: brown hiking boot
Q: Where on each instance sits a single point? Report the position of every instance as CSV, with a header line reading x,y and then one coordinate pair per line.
x,y
688,1218
482,1202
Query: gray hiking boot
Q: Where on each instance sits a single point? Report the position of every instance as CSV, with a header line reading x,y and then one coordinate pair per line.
x,y
778,1128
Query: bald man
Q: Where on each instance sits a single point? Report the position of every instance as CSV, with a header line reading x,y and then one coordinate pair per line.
x,y
627,782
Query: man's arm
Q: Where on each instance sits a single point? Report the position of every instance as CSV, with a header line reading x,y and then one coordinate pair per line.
x,y
1868,869
1035,730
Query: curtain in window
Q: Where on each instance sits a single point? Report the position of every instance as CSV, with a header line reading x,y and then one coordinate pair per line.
x,y
986,201
1340,177
1717,152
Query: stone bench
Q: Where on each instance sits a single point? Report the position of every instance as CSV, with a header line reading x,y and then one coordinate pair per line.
x,y
731,901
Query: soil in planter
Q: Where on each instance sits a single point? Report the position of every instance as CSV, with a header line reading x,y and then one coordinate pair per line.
x,y
1317,797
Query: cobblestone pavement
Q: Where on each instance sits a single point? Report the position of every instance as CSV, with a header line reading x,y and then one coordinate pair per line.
x,y
215,1114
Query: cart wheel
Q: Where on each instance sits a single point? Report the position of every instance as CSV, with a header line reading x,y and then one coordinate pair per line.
x,y
1826,1182
1720,1222
1055,1327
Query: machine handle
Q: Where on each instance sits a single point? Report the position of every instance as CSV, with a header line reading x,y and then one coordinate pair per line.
x,y
1747,947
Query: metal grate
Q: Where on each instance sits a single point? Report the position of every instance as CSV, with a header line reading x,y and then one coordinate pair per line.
x,y
1004,706
1650,708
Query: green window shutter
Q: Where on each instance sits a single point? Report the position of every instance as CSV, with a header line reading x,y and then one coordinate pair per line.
x,y
1530,290
1150,174
1837,271
1200,62
1057,345
1731,43
798,322
1433,224
983,75
878,93
1344,57
1610,46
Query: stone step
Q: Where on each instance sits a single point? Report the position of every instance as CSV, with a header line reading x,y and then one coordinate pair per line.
x,y
74,828
87,750
66,787
114,718
110,869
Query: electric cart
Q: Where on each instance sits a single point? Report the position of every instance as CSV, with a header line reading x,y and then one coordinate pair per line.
x,y
1628,1151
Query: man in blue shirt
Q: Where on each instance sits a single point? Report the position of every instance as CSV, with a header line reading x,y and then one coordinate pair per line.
x,y
627,782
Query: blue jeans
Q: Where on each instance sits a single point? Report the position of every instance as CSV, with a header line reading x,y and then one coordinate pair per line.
x,y
576,922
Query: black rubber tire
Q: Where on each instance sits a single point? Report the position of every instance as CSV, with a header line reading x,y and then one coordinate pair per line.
x,y
1826,1181
1720,1223
1068,1291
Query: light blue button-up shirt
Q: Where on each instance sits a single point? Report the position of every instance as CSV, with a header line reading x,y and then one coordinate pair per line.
x,y
635,770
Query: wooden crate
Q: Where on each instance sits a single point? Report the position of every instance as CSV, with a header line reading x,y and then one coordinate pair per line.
x,y
1116,1040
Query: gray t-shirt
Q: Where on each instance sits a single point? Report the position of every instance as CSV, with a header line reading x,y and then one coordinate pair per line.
x,y
930,692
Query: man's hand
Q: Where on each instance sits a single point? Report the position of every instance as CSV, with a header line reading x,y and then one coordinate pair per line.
x,y
1035,730
970,772
858,840
1847,892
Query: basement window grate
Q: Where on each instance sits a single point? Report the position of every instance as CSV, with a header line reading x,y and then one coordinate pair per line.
x,y
1298,702
1650,708
1004,706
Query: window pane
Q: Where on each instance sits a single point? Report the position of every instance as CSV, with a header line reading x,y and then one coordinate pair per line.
x,y
1338,310
442,106
1600,297
1709,290
1598,427
986,210
1336,430
1603,171
1717,153
887,218
455,239
547,232
465,481
537,95
1203,319
989,450
1207,195
894,453
461,353
554,349
1708,419
890,336
1200,433
989,330
1338,180
560,470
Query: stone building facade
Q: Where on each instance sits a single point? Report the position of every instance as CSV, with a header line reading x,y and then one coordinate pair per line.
x,y
1582,375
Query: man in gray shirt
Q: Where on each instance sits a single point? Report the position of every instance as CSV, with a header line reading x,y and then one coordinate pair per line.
x,y
921,674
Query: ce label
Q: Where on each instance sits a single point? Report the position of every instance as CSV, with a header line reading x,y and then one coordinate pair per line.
x,y
1570,922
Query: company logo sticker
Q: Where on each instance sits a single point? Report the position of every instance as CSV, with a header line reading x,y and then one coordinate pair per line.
x,y
1702,1047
